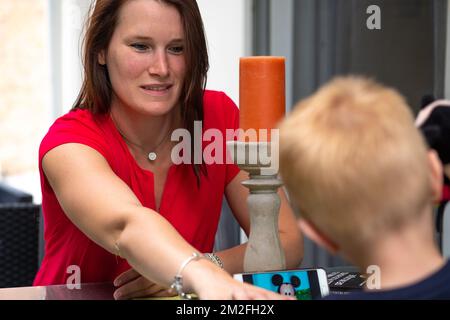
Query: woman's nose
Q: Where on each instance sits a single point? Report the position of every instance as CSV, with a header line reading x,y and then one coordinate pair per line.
x,y
159,65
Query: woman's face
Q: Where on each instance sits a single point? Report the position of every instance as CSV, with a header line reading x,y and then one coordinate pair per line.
x,y
145,58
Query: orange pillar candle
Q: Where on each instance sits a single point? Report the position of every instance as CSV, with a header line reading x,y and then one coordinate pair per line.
x,y
262,99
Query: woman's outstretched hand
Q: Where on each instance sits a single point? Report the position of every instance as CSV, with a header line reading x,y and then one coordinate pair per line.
x,y
244,291
212,283
131,285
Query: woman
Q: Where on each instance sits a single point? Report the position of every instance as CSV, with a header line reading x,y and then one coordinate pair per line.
x,y
112,197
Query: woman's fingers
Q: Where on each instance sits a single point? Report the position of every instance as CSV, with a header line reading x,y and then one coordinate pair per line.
x,y
132,288
164,293
125,277
248,292
153,292
242,291
140,288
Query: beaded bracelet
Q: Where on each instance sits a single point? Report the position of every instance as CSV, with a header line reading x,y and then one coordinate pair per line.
x,y
215,259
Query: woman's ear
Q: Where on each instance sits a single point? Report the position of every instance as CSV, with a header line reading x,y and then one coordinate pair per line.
x,y
436,175
102,58
318,237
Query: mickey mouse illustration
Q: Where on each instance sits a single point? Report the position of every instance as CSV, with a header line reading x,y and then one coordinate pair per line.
x,y
286,288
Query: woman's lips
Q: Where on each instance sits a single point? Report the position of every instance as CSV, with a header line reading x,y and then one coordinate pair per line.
x,y
157,90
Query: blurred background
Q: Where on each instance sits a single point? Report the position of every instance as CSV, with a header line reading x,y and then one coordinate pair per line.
x,y
40,66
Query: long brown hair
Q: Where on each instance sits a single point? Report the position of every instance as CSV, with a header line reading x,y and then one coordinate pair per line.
x,y
96,91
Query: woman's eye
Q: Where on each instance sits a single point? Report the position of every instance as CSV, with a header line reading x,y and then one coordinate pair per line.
x,y
176,49
140,46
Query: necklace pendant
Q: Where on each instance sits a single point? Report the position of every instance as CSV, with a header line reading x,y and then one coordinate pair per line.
x,y
152,156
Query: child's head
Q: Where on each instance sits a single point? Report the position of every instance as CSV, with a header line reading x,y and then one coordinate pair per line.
x,y
354,163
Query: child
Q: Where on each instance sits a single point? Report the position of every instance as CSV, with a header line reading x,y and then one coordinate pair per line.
x,y
359,171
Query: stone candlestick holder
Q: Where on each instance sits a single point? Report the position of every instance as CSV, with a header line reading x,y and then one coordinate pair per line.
x,y
264,251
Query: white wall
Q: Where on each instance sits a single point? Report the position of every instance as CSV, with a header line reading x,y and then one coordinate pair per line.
x,y
66,21
73,13
228,31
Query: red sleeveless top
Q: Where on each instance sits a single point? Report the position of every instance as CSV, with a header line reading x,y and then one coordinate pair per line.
x,y
193,211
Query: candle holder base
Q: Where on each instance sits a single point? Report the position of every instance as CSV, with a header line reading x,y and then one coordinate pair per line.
x,y
264,251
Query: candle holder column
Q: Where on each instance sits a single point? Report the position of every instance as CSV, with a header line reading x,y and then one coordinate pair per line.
x,y
264,251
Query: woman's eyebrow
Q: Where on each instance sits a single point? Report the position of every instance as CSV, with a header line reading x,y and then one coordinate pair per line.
x,y
177,40
145,38
139,37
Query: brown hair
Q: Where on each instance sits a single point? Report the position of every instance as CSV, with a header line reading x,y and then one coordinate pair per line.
x,y
96,91
354,162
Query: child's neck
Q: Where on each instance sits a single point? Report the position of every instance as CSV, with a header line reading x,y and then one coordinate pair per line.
x,y
405,257
403,265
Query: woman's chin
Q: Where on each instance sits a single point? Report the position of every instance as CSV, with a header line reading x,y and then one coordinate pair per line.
x,y
156,110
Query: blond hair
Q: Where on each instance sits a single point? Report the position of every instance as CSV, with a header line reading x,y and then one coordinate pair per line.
x,y
353,161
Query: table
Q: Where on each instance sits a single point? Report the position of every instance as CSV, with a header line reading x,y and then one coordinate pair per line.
x,y
88,291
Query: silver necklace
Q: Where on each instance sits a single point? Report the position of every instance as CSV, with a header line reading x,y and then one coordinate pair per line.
x,y
151,156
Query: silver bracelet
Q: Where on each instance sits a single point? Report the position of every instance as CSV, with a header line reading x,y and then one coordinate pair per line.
x,y
178,280
215,259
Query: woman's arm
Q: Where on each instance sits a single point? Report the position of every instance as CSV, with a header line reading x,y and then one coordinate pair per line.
x,y
290,236
102,206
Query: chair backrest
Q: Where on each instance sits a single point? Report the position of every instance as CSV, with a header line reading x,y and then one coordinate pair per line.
x,y
9,194
19,243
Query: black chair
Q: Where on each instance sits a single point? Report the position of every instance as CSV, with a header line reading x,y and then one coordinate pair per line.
x,y
9,194
19,238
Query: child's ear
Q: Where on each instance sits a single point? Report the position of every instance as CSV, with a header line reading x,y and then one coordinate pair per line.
x,y
310,230
436,175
